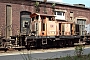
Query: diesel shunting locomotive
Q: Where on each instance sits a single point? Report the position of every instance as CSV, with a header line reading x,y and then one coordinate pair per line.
x,y
46,31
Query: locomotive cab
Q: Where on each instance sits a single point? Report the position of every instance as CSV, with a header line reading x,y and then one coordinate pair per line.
x,y
43,24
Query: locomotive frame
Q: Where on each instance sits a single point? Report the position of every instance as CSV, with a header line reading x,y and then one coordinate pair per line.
x,y
50,32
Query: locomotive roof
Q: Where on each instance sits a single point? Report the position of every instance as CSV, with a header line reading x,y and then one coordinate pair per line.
x,y
35,14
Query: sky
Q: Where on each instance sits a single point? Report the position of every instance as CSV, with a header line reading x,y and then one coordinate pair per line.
x,y
86,2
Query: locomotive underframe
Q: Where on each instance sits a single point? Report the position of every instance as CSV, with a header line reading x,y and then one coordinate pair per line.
x,y
51,41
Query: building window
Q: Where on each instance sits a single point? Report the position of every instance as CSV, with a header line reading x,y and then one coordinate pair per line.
x,y
82,23
60,15
25,21
71,18
71,15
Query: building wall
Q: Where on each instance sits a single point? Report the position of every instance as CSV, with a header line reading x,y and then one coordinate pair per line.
x,y
17,7
2,18
77,12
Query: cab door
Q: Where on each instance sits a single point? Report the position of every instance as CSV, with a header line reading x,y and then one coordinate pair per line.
x,y
67,28
43,26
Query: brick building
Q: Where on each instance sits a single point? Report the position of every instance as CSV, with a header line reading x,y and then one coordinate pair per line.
x,y
13,14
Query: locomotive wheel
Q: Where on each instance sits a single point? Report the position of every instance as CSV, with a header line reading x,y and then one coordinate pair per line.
x,y
19,49
58,44
61,44
71,43
64,43
27,47
5,49
44,46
